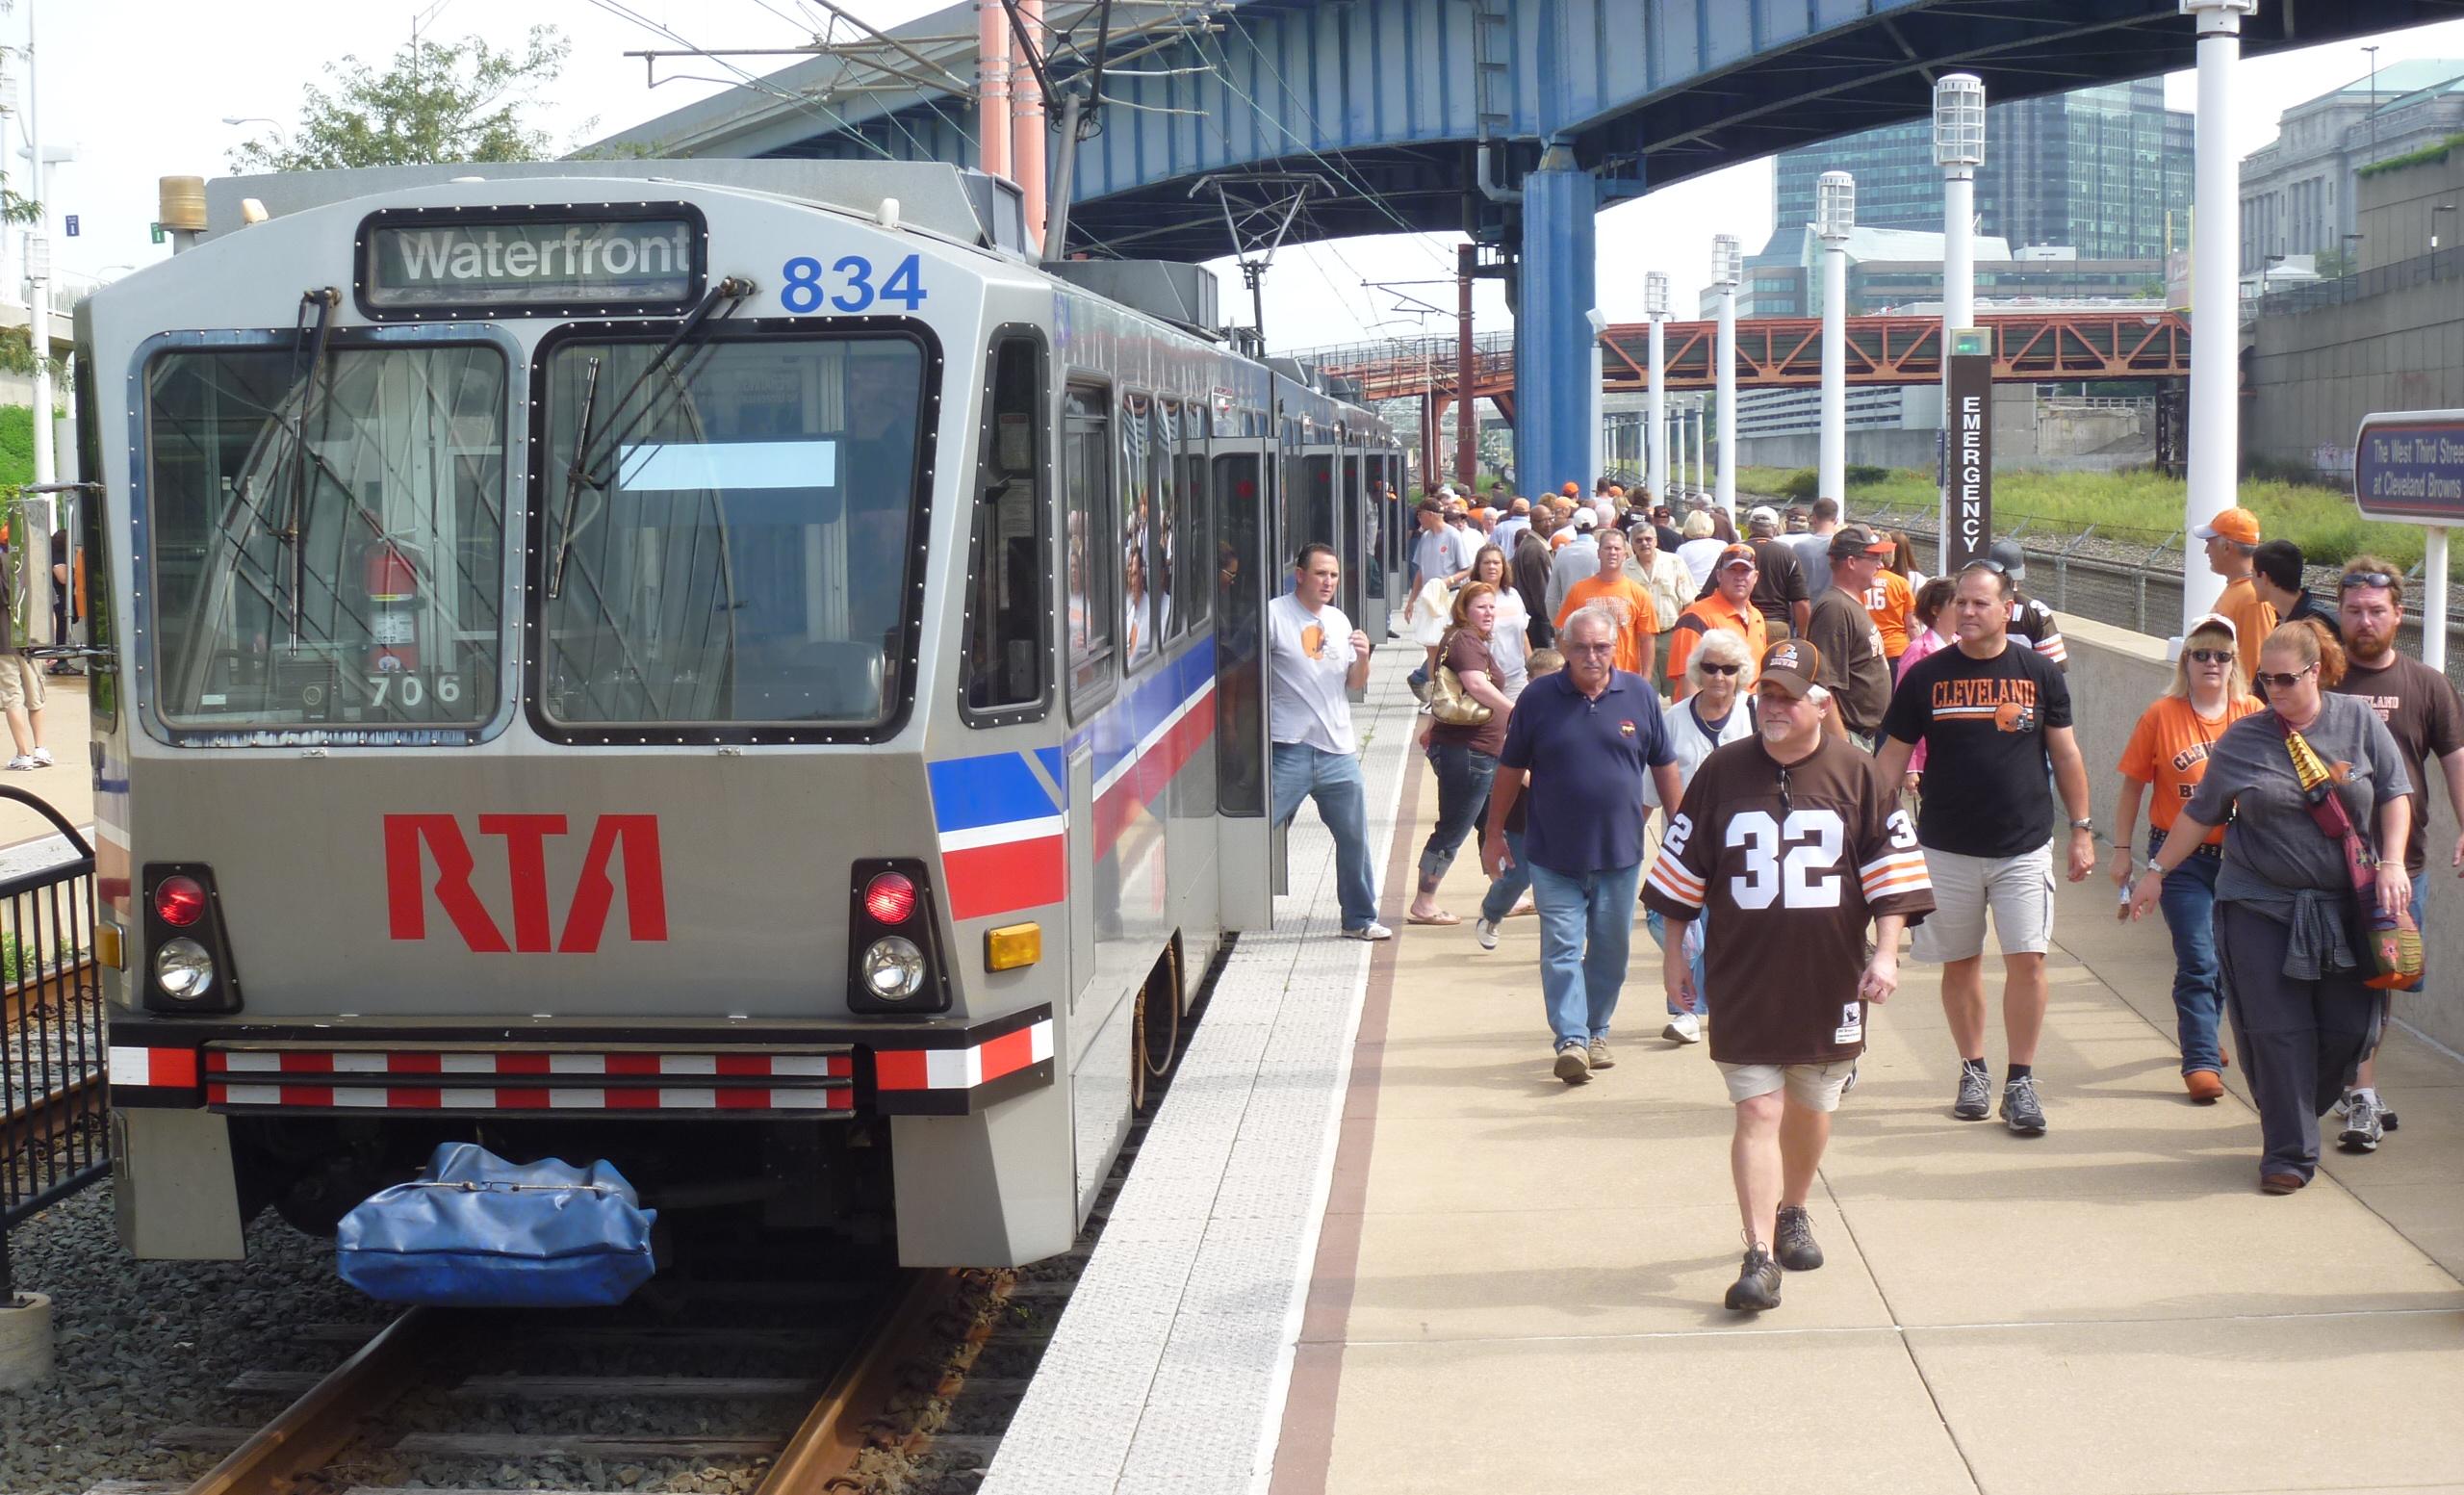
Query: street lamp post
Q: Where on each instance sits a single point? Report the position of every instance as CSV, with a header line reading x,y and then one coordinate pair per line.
x,y
1959,149
1703,455
1656,307
1835,213
1728,262
2216,331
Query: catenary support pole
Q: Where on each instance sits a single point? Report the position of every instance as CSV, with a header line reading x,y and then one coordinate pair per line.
x,y
39,319
1835,214
1959,149
2433,598
1655,301
2215,328
1467,431
1027,117
1726,261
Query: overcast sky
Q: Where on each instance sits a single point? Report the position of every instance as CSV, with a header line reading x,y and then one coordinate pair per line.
x,y
139,89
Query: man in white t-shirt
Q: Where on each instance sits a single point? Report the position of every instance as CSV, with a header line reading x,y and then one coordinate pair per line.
x,y
1316,657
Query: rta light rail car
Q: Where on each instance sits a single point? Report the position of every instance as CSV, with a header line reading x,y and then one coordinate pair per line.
x,y
728,667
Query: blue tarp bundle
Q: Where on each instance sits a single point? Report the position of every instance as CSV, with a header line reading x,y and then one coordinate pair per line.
x,y
476,1231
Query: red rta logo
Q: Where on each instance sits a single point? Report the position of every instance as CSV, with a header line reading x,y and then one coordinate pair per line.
x,y
526,856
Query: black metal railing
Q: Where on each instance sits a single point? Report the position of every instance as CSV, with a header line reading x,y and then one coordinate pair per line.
x,y
55,1133
2439,267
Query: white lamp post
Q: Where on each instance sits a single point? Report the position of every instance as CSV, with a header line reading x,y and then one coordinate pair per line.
x,y
2215,332
1728,268
1834,213
1656,307
1702,454
1959,149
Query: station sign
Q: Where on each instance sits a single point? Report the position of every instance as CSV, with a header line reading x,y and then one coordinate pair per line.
x,y
2408,467
495,262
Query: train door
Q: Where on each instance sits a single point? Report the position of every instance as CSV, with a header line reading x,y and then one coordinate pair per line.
x,y
1248,575
1091,652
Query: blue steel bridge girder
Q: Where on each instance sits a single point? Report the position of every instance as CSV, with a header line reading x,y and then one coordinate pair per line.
x,y
1385,97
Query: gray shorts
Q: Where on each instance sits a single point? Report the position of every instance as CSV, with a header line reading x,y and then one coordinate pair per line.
x,y
1816,1087
2017,890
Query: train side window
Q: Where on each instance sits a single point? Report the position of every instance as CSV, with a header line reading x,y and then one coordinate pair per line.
x,y
1094,618
1195,564
1164,539
1138,638
1008,599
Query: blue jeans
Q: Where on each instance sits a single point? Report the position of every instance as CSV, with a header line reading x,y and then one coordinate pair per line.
x,y
1333,780
1659,927
2188,898
1464,775
1586,919
1509,885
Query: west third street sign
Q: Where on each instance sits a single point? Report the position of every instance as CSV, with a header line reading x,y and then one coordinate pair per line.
x,y
2408,465
496,262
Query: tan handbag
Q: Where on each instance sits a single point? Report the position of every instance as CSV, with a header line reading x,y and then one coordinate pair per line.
x,y
1446,701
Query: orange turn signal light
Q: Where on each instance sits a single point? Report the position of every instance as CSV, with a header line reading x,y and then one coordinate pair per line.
x,y
1013,946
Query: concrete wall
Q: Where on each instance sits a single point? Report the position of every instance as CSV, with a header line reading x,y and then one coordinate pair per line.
x,y
2315,374
2395,220
2120,672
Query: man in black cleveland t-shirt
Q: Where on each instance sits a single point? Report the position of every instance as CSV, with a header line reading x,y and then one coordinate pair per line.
x,y
1995,717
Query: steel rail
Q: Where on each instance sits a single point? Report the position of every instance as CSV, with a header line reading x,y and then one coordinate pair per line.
x,y
825,1447
310,1432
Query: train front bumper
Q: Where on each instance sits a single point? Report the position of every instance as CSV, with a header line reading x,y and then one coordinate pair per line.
x,y
752,1068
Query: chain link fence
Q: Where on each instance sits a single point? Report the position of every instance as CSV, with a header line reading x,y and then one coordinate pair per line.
x,y
2131,578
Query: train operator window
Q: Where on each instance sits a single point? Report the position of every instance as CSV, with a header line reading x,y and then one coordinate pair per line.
x,y
1088,488
1006,595
347,580
735,544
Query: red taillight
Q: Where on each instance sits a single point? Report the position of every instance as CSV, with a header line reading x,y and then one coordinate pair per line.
x,y
890,897
179,901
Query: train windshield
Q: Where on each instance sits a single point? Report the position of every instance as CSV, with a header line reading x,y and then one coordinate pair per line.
x,y
328,537
730,542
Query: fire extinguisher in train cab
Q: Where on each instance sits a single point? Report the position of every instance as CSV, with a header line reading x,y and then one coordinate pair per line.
x,y
392,609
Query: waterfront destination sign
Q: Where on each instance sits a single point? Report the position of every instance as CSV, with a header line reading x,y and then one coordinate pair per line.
x,y
436,264
2408,465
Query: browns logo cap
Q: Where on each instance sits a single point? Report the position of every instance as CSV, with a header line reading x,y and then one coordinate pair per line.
x,y
1791,663
1737,555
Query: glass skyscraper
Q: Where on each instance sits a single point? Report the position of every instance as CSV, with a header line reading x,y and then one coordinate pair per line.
x,y
2097,171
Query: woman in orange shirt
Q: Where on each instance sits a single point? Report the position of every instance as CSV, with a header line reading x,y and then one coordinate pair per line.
x,y
1891,600
2167,750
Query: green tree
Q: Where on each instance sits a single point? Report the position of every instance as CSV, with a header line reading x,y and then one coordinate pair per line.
x,y
436,101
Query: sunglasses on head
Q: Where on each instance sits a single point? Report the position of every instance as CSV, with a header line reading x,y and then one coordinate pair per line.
x,y
1981,564
2213,656
1709,668
2283,680
2353,579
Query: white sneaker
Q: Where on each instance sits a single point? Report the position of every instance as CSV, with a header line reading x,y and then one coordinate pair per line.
x,y
42,756
1370,931
21,763
1683,1028
1486,933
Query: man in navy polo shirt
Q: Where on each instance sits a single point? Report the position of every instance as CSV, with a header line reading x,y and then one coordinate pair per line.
x,y
1587,734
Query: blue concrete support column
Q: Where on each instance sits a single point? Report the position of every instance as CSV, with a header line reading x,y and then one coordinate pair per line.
x,y
1553,336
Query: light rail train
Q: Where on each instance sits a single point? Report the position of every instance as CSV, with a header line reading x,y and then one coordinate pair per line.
x,y
729,667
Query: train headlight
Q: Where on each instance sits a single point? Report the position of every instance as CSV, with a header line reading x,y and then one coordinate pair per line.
x,y
893,969
184,970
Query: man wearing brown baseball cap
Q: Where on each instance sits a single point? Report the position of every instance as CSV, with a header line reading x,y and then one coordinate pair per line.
x,y
2232,537
1852,663
1729,604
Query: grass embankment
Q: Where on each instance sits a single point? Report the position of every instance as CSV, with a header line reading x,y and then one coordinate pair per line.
x,y
2133,506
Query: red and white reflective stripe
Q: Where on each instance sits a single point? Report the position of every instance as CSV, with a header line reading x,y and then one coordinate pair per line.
x,y
425,1097
963,1068
167,1068
615,1066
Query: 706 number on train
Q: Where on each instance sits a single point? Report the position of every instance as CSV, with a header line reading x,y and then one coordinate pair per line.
x,y
849,288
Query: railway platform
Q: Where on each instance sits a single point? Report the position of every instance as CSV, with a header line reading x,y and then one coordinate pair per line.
x,y
1371,1245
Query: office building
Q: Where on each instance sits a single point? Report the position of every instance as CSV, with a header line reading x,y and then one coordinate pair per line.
x,y
2298,191
2097,169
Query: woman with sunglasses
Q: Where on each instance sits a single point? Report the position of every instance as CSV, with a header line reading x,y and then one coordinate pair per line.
x,y
2168,749
2287,937
1718,709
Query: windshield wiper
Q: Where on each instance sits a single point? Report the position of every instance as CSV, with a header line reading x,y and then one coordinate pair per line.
x,y
304,385
733,290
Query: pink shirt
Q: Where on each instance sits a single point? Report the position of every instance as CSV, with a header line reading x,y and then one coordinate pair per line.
x,y
1924,641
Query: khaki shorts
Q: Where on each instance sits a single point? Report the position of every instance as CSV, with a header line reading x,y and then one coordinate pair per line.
x,y
2018,891
20,683
1816,1087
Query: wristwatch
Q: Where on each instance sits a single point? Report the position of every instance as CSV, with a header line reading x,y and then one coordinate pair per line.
x,y
2083,825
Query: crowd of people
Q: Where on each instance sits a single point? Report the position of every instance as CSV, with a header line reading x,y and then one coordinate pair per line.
x,y
1834,749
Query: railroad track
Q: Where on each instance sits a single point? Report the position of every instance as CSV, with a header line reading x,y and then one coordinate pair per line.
x,y
340,1424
